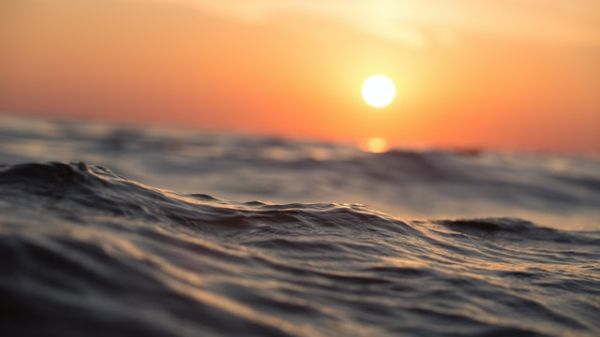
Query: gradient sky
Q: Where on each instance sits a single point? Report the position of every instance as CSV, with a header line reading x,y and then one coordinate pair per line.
x,y
507,74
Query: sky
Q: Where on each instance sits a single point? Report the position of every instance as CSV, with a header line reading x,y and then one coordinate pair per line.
x,y
501,74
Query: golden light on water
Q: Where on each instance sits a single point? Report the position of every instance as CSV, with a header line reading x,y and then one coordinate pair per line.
x,y
376,145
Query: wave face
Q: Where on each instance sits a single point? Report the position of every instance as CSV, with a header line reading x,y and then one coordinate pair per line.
x,y
86,252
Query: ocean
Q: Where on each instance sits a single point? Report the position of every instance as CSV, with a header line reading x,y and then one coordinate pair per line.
x,y
109,230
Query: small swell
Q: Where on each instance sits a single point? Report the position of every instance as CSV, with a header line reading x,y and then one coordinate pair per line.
x,y
491,225
51,175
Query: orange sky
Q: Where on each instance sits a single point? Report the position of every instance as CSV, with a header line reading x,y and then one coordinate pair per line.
x,y
509,74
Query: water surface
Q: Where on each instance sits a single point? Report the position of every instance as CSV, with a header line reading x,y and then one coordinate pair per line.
x,y
272,237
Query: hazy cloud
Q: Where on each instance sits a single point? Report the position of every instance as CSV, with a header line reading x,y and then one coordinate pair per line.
x,y
416,24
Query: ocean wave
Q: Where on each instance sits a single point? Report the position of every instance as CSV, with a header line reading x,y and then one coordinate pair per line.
x,y
550,190
87,252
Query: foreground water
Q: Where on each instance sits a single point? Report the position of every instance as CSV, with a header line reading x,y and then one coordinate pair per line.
x,y
91,251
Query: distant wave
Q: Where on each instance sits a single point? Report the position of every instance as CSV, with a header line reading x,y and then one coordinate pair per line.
x,y
86,252
557,191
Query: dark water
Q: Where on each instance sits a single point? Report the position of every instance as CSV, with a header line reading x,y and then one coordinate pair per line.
x,y
89,252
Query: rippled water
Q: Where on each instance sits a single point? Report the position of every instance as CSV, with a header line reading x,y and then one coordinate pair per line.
x,y
333,249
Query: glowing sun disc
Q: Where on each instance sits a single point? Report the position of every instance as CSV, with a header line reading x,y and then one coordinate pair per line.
x,y
378,91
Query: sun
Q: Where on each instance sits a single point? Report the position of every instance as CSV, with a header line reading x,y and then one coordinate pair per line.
x,y
378,91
